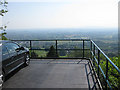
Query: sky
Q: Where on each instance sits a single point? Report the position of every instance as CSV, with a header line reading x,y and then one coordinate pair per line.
x,y
39,14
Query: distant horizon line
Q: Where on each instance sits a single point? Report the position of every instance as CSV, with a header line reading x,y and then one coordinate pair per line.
x,y
61,28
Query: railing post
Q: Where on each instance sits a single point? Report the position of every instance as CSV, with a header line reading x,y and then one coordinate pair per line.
x,y
56,47
91,49
90,45
93,55
30,45
83,49
98,61
30,48
106,74
94,50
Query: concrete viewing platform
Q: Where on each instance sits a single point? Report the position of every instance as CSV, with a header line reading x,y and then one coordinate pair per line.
x,y
53,73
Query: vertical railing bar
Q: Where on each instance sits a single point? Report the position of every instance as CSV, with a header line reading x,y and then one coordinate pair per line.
x,y
30,48
83,48
56,47
93,55
94,50
106,73
30,45
98,61
91,49
91,46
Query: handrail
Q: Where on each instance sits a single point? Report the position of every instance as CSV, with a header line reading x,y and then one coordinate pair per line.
x,y
56,46
55,40
105,74
107,57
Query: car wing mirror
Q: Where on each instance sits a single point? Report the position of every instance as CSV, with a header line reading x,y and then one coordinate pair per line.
x,y
17,50
21,48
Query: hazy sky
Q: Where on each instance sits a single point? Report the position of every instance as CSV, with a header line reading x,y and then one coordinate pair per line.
x,y
37,14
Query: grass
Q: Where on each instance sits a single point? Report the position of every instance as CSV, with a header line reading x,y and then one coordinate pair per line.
x,y
41,53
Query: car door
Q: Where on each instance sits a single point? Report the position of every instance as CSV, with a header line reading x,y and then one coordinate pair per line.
x,y
5,59
15,58
20,54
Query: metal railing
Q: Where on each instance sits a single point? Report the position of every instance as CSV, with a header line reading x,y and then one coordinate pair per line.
x,y
56,44
95,57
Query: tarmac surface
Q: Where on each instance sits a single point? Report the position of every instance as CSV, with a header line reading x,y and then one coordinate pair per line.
x,y
56,73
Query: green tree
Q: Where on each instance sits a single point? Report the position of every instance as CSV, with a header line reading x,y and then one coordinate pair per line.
x,y
52,52
3,11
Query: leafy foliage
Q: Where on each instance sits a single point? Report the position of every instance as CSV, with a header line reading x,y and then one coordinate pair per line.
x,y
113,75
3,11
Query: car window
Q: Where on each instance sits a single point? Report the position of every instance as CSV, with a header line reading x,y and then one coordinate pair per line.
x,y
4,52
15,46
11,47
